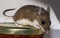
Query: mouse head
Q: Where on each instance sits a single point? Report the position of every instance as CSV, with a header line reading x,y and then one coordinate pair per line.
x,y
43,17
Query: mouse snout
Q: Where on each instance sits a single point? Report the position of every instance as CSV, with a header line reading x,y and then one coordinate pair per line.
x,y
47,29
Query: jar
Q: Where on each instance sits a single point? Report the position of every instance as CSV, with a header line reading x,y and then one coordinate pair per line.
x,y
15,32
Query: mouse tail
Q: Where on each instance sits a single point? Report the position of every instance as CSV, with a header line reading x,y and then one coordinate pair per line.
x,y
7,11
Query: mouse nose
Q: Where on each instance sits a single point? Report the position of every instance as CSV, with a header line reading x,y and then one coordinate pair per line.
x,y
47,28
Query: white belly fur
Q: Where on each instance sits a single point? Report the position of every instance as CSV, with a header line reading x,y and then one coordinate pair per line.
x,y
28,22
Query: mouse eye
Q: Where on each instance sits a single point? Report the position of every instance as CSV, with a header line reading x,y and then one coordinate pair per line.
x,y
49,22
43,22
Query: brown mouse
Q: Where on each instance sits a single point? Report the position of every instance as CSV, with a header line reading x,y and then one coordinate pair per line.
x,y
32,14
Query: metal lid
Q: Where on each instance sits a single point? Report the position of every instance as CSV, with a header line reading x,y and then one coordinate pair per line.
x,y
17,30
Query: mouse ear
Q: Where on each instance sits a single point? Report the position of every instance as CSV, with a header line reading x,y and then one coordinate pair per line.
x,y
48,10
42,10
38,11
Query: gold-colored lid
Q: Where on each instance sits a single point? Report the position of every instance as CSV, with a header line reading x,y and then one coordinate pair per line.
x,y
5,29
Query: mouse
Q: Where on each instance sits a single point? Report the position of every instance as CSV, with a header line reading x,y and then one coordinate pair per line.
x,y
31,15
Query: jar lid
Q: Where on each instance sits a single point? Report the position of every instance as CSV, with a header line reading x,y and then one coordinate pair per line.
x,y
19,31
